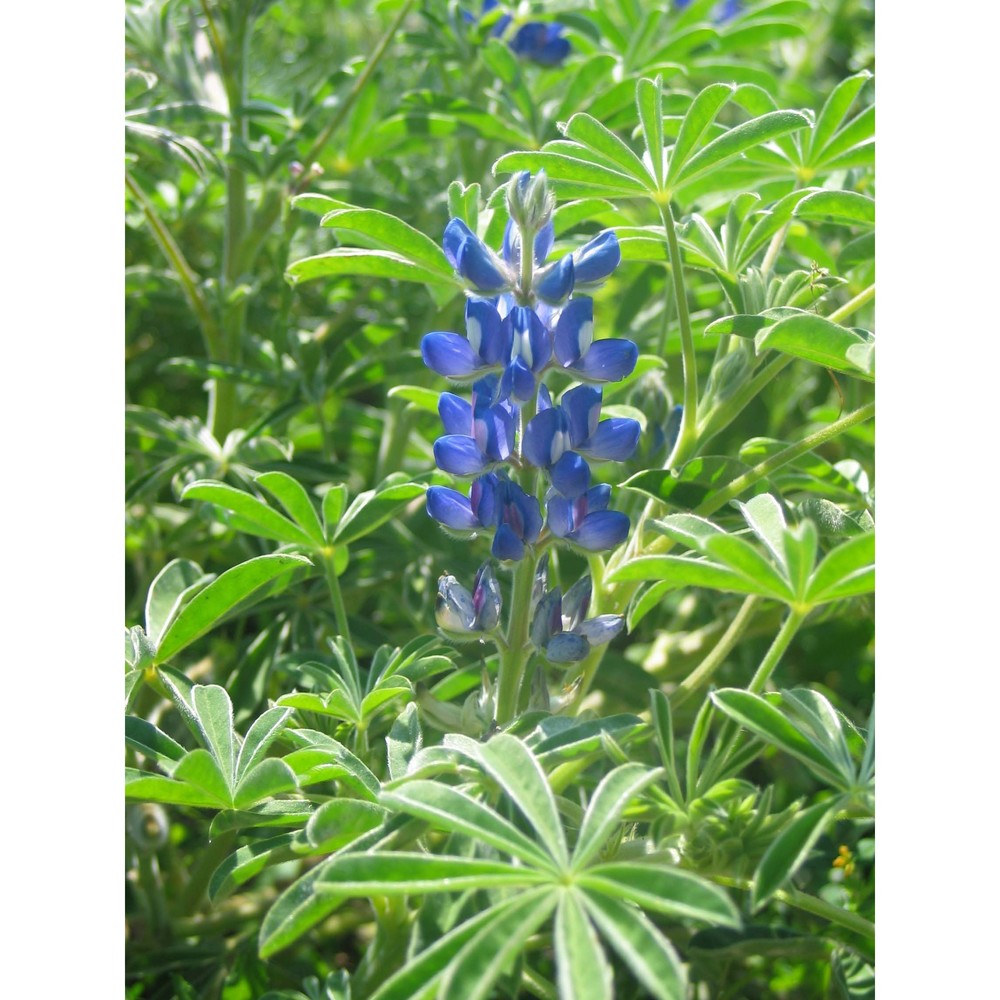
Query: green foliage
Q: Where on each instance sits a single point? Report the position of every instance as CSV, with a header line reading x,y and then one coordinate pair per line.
x,y
314,776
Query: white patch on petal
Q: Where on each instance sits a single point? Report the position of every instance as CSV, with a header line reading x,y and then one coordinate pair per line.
x,y
560,442
586,336
474,331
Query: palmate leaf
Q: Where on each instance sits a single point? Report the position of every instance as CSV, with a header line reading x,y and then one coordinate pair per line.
x,y
495,946
834,113
386,232
516,769
426,969
170,590
604,811
402,873
650,956
248,861
452,809
814,338
695,124
589,132
789,851
252,514
769,723
374,507
662,889
234,590
582,968
298,504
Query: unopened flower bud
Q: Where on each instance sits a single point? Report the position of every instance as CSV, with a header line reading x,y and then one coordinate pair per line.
x,y
530,202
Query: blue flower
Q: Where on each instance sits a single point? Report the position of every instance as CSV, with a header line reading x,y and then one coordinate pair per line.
x,y
530,351
595,260
474,260
477,436
576,425
535,41
486,346
590,360
494,502
585,521
461,614
541,43
560,629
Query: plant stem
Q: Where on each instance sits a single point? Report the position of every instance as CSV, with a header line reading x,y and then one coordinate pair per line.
x,y
339,611
776,651
821,908
704,671
189,279
208,860
809,904
687,437
789,454
514,659
730,732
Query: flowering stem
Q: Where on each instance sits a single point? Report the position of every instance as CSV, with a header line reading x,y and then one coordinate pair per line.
x,y
514,659
687,438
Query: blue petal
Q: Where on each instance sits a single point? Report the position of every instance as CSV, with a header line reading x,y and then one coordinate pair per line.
x,y
576,602
455,234
456,414
484,501
544,399
597,497
605,529
601,629
472,258
608,360
459,455
454,609
451,509
559,515
615,440
529,338
582,405
541,43
506,545
450,355
570,475
544,239
574,330
567,647
483,327
486,598
511,246
545,438
598,258
673,428
521,512
547,620
556,283
518,381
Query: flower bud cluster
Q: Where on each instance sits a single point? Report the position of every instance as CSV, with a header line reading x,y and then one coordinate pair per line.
x,y
523,319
